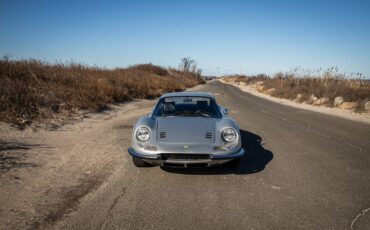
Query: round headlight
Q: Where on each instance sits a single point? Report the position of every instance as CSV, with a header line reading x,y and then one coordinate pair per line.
x,y
229,135
142,133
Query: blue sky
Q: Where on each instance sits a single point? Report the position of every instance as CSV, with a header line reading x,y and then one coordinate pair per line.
x,y
223,36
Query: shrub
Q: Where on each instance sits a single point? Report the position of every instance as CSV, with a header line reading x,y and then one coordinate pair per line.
x,y
328,84
34,90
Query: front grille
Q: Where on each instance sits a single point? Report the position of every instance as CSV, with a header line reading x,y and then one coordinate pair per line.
x,y
162,135
193,165
197,165
172,165
208,135
184,156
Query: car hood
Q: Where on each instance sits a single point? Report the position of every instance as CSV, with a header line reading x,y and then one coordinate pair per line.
x,y
187,130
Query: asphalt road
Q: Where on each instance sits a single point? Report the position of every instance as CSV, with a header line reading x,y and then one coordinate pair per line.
x,y
303,170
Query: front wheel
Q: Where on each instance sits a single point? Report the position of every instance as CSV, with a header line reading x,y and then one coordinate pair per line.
x,y
139,162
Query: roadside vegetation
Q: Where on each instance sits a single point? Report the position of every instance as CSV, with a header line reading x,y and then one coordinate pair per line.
x,y
36,90
328,88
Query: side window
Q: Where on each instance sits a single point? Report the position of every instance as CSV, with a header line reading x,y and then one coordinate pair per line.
x,y
224,113
158,109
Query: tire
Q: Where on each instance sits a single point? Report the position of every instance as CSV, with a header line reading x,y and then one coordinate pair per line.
x,y
233,163
139,163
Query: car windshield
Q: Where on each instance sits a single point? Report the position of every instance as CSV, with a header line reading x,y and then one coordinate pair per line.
x,y
187,106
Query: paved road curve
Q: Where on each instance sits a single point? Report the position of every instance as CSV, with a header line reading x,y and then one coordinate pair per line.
x,y
303,170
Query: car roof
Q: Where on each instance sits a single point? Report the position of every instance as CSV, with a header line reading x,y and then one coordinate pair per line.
x,y
188,94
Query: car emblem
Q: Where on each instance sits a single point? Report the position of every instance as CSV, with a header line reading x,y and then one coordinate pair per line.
x,y
185,146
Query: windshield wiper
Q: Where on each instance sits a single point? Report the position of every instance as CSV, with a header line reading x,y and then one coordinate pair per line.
x,y
199,113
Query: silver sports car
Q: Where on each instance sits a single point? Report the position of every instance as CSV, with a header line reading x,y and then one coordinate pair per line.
x,y
186,129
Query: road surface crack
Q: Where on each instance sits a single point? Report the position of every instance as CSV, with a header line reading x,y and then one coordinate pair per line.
x,y
112,206
362,213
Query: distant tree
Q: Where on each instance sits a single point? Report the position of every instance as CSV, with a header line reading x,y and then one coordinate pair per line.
x,y
188,65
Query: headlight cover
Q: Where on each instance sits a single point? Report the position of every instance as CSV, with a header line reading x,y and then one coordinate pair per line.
x,y
142,134
229,135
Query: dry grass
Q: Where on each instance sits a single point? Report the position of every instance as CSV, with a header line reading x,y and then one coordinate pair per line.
x,y
329,84
34,90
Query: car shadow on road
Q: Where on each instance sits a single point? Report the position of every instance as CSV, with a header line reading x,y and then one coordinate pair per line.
x,y
255,159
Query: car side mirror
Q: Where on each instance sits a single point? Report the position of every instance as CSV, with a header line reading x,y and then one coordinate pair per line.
x,y
226,111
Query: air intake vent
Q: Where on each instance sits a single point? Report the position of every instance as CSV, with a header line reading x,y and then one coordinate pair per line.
x,y
208,135
162,135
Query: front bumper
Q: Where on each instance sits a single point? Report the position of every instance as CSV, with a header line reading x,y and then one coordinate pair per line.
x,y
214,159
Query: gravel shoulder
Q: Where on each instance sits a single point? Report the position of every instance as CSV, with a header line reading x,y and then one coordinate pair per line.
x,y
44,174
363,117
